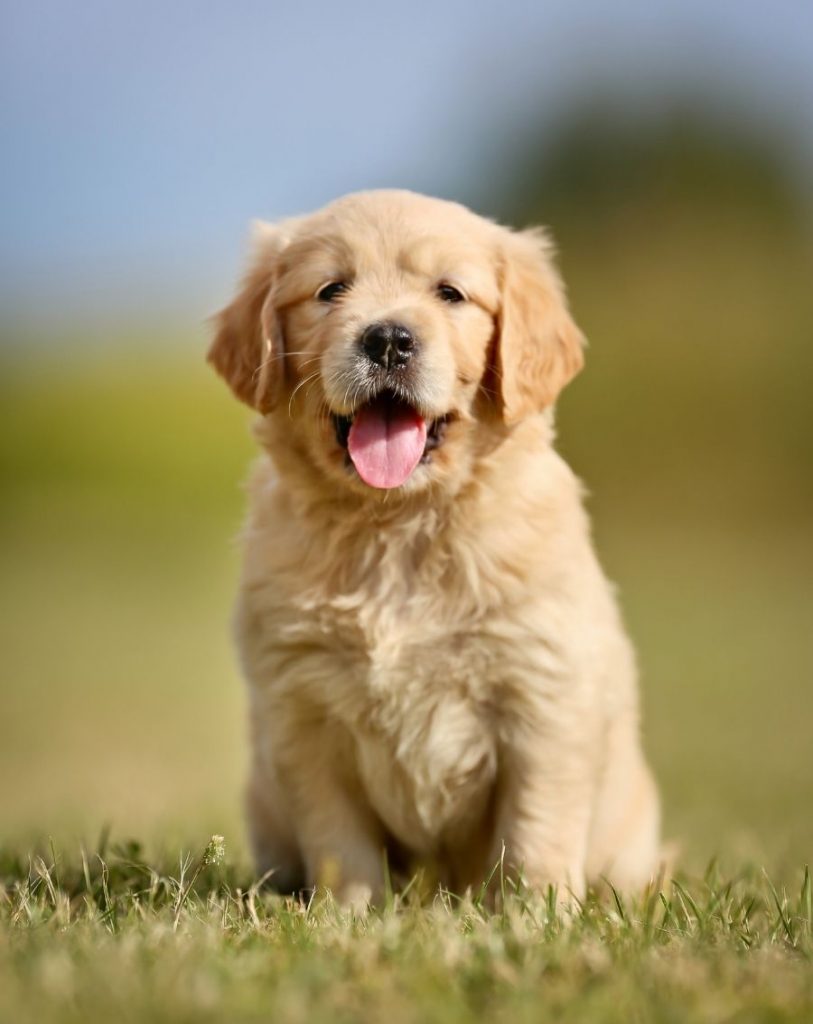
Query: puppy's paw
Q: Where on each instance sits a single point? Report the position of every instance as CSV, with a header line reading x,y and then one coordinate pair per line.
x,y
357,897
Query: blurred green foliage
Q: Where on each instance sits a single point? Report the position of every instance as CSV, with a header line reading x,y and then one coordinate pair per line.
x,y
688,253
688,257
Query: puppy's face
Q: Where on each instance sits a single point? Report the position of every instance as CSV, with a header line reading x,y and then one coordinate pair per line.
x,y
386,334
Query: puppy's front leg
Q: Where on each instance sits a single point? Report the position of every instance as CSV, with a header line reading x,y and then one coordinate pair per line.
x,y
340,838
544,794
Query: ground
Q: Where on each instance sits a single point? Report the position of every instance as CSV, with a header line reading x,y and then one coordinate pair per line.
x,y
106,935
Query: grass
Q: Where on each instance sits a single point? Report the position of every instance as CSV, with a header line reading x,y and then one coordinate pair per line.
x,y
111,935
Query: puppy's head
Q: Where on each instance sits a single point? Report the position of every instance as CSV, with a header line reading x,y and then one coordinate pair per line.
x,y
383,336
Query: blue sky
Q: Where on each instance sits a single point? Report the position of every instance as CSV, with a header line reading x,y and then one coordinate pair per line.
x,y
139,139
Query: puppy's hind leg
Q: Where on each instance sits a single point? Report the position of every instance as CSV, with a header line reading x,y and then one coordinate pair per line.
x,y
624,844
270,828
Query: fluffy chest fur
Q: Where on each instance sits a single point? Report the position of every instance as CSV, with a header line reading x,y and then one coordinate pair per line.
x,y
408,678
405,638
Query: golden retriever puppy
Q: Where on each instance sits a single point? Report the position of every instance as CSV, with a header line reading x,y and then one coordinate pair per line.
x,y
435,661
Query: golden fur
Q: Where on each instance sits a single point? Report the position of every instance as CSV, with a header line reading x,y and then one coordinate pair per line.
x,y
439,668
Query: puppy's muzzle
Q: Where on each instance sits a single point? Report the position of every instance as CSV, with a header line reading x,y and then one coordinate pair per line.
x,y
388,345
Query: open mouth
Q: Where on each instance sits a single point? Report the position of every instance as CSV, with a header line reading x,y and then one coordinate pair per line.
x,y
386,438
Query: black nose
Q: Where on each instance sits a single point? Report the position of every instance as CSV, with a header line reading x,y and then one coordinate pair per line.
x,y
388,344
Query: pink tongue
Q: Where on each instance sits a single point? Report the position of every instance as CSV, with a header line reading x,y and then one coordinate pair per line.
x,y
386,442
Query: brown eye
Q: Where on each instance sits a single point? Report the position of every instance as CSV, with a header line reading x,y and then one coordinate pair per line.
x,y
332,290
450,294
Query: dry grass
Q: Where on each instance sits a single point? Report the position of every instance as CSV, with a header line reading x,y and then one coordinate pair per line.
x,y
110,935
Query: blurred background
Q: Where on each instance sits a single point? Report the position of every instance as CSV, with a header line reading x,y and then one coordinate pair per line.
x,y
668,146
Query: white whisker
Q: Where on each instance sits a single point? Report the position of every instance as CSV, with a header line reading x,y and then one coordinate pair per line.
x,y
281,355
306,380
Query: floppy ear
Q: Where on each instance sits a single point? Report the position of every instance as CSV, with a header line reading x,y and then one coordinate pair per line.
x,y
539,347
247,350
